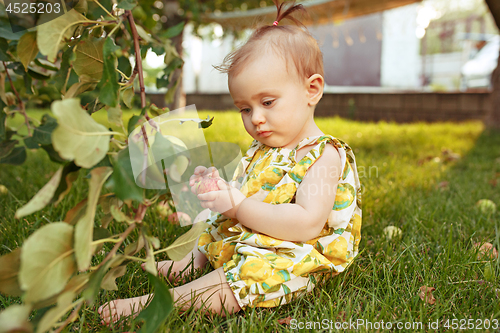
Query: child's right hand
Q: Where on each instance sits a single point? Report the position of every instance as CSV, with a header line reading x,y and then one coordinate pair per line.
x,y
201,172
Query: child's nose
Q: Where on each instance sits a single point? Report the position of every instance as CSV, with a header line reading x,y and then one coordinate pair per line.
x,y
258,116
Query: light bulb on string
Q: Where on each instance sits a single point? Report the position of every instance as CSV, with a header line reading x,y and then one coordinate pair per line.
x,y
349,41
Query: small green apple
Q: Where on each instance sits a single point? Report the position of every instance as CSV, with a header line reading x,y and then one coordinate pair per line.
x,y
489,272
163,209
392,232
3,190
486,206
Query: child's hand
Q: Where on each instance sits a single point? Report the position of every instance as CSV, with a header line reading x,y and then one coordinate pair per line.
x,y
201,172
227,200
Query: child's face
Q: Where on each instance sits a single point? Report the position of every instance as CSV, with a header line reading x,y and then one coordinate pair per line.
x,y
272,100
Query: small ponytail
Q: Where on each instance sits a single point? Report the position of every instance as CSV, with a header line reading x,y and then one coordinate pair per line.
x,y
286,13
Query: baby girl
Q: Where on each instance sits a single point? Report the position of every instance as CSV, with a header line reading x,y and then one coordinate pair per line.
x,y
295,198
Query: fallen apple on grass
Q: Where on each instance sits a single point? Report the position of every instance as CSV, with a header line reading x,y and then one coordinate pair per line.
x,y
392,232
179,218
486,206
163,209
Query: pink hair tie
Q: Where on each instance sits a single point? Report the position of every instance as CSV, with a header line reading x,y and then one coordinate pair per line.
x,y
275,23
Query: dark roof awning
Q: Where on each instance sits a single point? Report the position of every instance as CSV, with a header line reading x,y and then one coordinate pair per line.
x,y
320,12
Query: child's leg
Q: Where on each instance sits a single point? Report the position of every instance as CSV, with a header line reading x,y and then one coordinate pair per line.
x,y
182,267
212,292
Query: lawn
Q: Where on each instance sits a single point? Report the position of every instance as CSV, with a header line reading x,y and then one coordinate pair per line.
x,y
412,179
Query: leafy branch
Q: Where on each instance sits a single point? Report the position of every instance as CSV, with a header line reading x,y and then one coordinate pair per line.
x,y
79,62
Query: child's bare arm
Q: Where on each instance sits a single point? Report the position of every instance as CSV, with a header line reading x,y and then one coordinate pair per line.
x,y
303,220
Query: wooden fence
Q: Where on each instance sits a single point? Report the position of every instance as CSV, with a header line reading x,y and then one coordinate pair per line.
x,y
399,107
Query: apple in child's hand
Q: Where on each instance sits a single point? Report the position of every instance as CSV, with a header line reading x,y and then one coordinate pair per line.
x,y
177,218
207,185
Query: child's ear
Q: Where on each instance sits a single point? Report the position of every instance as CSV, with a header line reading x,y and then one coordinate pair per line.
x,y
315,85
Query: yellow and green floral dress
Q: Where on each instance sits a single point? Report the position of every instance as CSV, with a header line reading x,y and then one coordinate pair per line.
x,y
263,271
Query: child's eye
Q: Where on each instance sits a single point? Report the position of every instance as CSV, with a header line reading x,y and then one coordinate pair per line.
x,y
245,110
267,103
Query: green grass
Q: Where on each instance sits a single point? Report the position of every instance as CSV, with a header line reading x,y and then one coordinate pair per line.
x,y
401,168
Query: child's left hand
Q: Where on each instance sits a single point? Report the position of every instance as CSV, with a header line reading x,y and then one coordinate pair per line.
x,y
227,200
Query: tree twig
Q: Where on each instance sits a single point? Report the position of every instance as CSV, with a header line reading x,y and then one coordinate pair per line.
x,y
117,245
138,59
21,104
71,317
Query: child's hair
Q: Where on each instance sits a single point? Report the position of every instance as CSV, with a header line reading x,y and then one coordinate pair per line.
x,y
287,41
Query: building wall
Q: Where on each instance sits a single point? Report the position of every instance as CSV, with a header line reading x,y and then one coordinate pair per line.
x,y
400,48
443,69
397,59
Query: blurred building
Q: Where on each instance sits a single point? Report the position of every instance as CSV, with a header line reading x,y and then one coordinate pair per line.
x,y
375,52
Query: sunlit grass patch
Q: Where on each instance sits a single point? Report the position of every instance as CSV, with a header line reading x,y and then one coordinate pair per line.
x,y
423,178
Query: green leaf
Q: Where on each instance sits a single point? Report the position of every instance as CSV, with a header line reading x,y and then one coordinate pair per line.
x,y
42,198
135,247
79,88
43,133
96,278
118,215
178,168
182,245
133,122
115,115
4,46
69,175
150,265
15,319
173,65
53,154
158,49
16,157
167,146
41,64
127,96
75,213
6,147
89,58
6,32
169,96
124,65
100,233
122,181
170,52
78,137
3,117
51,35
163,81
9,270
81,6
47,261
158,310
37,75
75,285
27,48
84,228
173,31
144,35
127,4
109,87
108,282
51,317
205,123
68,57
